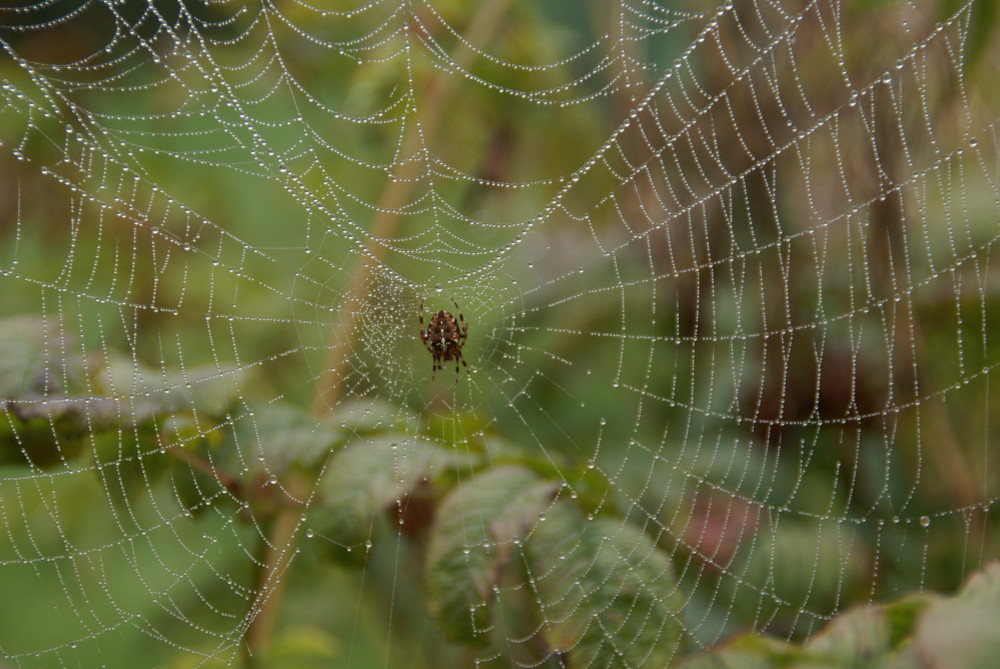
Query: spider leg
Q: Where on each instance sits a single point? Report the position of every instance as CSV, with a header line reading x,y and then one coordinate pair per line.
x,y
463,326
424,334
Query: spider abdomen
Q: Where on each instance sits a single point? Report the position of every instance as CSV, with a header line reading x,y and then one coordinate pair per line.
x,y
444,337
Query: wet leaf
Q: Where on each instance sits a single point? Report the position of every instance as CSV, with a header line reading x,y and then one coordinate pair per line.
x,y
608,593
144,392
866,633
962,632
37,359
366,478
473,541
128,462
361,416
283,435
746,652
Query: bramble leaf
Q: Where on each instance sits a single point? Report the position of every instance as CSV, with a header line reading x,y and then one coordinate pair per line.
x,y
472,542
607,591
367,477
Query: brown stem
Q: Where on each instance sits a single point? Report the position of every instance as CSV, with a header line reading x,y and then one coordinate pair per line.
x,y
233,484
279,553
416,140
417,137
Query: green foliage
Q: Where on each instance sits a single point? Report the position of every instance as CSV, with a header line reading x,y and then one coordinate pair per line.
x,y
607,589
473,542
919,631
496,532
479,515
370,476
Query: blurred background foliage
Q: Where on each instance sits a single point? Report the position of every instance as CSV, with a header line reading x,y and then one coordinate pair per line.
x,y
165,476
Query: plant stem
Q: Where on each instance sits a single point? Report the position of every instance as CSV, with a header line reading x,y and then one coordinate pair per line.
x,y
416,139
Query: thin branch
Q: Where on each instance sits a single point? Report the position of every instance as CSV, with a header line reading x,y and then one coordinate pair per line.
x,y
417,138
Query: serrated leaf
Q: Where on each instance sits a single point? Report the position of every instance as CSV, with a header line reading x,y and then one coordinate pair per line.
x,y
472,541
860,633
361,416
285,435
42,433
206,389
866,633
366,477
961,632
127,463
747,652
36,360
607,592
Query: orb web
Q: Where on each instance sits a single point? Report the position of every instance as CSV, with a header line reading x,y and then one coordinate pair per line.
x,y
726,268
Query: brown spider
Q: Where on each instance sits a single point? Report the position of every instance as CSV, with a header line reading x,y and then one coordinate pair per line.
x,y
445,337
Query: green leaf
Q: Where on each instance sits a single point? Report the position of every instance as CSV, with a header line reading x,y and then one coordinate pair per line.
x,y
367,477
748,652
962,632
867,633
903,615
302,647
43,433
207,389
472,542
283,435
127,462
37,359
362,416
41,423
607,592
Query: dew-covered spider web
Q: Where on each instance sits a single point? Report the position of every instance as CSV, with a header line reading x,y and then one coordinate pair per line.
x,y
728,270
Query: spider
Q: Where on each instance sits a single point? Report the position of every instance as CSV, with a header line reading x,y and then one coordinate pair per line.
x,y
445,337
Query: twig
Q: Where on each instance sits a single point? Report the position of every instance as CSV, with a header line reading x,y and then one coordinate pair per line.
x,y
397,191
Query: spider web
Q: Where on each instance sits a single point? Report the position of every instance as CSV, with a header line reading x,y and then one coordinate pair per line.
x,y
732,259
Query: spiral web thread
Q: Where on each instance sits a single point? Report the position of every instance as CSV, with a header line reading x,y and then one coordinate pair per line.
x,y
789,225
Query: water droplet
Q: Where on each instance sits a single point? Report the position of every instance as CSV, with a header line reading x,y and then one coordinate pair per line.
x,y
437,287
925,521
272,479
368,545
